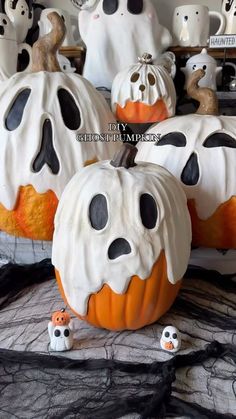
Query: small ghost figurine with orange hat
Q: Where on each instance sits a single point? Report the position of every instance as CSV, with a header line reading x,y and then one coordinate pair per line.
x,y
60,332
170,339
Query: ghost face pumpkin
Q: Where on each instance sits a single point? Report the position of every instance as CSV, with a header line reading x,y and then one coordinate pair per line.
x,y
143,93
121,242
41,117
116,32
200,150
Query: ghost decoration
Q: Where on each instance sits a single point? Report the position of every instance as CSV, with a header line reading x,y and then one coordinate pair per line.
x,y
43,116
85,4
116,32
143,93
125,228
60,332
21,15
200,150
170,339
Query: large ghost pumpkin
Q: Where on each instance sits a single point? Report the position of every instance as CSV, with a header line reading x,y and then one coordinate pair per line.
x,y
41,117
143,93
200,150
116,32
122,242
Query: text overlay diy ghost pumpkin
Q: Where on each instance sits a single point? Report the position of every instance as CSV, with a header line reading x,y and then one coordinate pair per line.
x,y
122,242
41,116
200,150
143,93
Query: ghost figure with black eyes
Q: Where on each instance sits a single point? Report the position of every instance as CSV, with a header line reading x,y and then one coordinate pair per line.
x,y
170,339
60,332
85,4
116,32
200,150
122,242
21,15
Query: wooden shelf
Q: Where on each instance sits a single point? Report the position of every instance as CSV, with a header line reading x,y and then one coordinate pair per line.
x,y
72,52
217,53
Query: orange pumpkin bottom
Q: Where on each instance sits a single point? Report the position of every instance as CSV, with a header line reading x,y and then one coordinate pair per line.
x,y
218,231
33,215
143,303
140,113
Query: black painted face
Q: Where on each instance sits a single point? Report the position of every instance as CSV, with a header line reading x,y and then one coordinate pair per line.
x,y
135,78
228,5
191,172
133,6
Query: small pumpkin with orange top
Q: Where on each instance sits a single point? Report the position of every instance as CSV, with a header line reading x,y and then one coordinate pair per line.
x,y
143,93
122,242
200,150
60,331
42,116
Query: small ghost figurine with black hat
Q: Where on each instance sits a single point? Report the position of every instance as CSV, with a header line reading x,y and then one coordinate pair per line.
x,y
170,339
60,331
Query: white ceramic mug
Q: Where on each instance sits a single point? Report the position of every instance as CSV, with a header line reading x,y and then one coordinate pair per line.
x,y
191,25
45,25
229,11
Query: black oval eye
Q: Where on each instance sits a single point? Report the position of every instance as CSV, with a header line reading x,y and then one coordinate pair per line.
x,y
204,67
98,212
167,334
177,139
110,6
57,333
134,77
148,211
135,6
194,66
4,21
66,333
69,110
151,79
220,139
174,336
15,114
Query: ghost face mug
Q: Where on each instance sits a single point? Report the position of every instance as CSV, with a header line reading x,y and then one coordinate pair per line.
x,y
191,25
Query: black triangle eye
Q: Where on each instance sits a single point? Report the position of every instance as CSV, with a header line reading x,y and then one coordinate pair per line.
x,y
98,212
69,110
135,6
148,211
15,114
110,6
220,139
177,139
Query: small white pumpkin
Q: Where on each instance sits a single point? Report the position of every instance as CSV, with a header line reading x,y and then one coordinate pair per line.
x,y
143,93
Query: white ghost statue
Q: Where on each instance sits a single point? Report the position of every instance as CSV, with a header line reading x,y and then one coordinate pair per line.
x,y
116,32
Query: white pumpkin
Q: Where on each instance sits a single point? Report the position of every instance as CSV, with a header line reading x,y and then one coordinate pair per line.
x,y
41,117
116,33
200,150
113,222
143,93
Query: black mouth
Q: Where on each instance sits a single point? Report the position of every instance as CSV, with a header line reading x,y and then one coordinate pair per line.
x,y
2,31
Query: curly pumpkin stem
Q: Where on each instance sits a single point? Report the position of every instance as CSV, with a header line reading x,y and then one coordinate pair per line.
x,y
125,157
44,51
207,97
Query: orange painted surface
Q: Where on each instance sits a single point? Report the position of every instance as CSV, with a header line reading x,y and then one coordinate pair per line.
x,y
143,303
218,231
33,216
137,112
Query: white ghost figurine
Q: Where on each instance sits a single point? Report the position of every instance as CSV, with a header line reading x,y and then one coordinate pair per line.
x,y
116,32
170,339
60,332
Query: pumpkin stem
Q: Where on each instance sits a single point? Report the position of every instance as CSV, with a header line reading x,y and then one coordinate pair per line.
x,y
44,51
125,157
207,97
146,59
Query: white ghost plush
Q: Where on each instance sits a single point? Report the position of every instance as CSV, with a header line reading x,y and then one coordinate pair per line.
x,y
170,339
21,15
116,32
61,337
